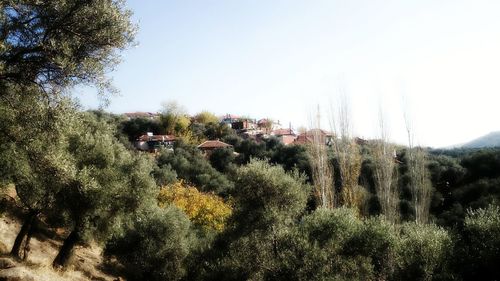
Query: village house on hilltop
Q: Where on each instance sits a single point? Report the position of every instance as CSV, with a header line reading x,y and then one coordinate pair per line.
x,y
209,146
139,114
286,136
153,143
309,137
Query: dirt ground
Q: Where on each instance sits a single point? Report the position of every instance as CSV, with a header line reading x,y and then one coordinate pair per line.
x,y
87,263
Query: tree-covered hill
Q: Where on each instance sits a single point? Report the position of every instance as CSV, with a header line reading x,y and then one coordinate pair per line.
x,y
490,140
257,209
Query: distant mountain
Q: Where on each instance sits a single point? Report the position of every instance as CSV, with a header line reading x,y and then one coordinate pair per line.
x,y
490,140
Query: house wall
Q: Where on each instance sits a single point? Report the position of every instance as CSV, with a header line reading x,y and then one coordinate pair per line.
x,y
141,145
287,139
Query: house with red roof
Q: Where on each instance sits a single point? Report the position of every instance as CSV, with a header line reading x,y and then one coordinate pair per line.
x,y
309,136
229,119
267,125
244,124
209,146
153,143
286,136
139,114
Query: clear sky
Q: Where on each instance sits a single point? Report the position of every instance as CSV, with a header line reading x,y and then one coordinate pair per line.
x,y
279,59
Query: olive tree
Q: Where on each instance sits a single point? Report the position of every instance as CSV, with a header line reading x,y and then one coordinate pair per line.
x,y
268,202
34,149
109,183
155,245
58,44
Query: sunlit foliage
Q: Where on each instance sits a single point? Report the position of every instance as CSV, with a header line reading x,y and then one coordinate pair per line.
x,y
203,209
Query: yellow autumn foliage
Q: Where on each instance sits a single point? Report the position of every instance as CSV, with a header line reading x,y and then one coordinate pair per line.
x,y
204,209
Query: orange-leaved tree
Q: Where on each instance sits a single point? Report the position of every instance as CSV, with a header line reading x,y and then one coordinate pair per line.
x,y
203,209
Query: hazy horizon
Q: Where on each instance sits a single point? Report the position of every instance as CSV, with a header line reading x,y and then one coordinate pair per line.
x,y
436,60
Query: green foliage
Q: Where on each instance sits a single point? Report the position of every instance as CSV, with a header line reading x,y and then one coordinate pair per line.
x,y
139,126
47,47
331,228
376,241
445,171
36,159
268,201
266,196
332,244
478,248
249,149
422,252
190,165
174,118
57,44
108,183
292,157
164,175
470,181
155,246
222,159
206,117
336,245
482,164
217,130
326,233
205,210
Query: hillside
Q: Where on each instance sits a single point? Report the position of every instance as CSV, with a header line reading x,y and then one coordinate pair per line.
x,y
490,140
88,263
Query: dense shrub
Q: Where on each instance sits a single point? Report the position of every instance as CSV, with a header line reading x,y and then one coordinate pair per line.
x,y
478,246
482,164
268,202
325,235
469,180
206,210
376,240
265,196
155,246
337,245
190,165
139,126
164,175
292,157
422,252
222,159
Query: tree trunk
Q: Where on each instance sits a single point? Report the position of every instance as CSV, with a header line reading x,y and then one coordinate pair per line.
x,y
66,250
25,229
31,231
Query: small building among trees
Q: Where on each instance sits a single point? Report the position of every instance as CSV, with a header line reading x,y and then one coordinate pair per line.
x,y
286,136
308,137
209,146
153,143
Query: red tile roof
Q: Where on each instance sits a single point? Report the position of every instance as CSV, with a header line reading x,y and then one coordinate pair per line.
x,y
311,132
139,114
230,116
213,144
283,132
288,139
156,138
303,139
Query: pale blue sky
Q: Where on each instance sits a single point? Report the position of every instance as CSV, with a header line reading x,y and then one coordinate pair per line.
x,y
278,59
